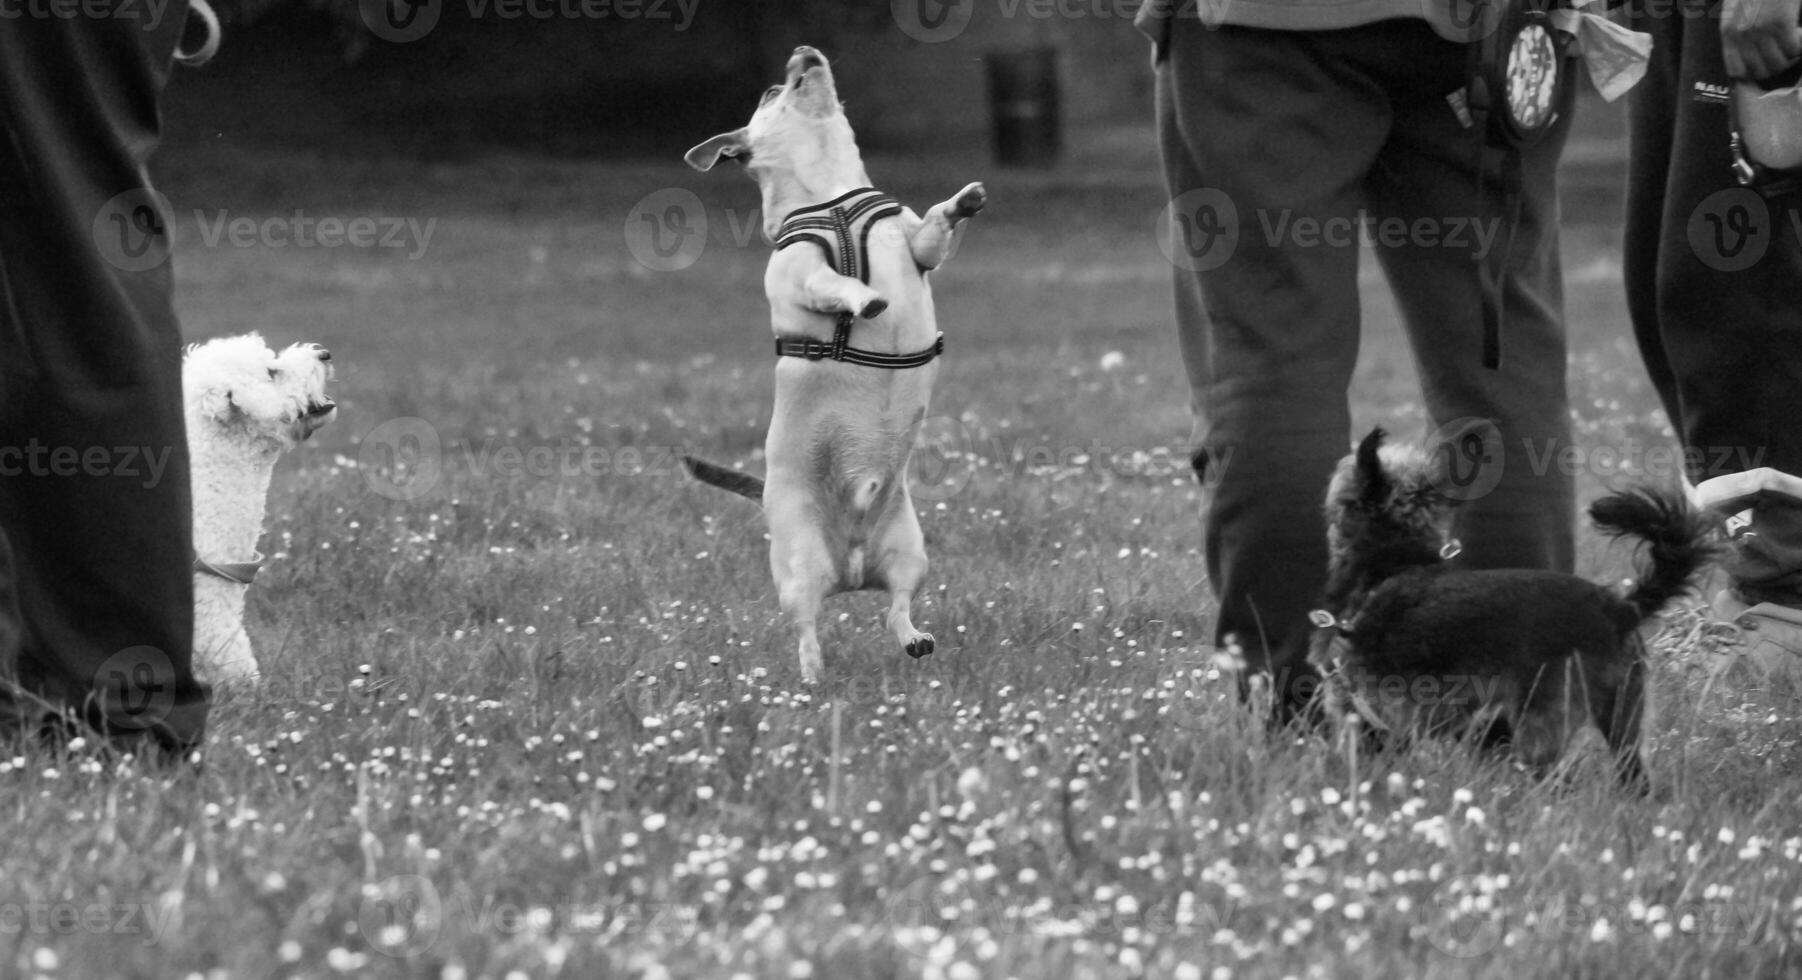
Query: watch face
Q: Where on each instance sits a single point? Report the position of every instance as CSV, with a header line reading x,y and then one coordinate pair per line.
x,y
1532,77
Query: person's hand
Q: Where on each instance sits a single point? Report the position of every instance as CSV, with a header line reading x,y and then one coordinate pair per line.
x,y
1760,38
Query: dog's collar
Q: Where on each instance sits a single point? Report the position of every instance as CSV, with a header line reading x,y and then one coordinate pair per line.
x,y
240,572
841,228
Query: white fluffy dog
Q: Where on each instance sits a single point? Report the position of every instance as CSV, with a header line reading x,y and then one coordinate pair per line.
x,y
246,404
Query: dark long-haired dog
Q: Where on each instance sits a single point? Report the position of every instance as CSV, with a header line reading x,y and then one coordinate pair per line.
x,y
1411,644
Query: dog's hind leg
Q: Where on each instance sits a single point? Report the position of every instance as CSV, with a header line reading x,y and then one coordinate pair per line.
x,y
931,242
903,551
802,565
1617,703
801,599
1542,729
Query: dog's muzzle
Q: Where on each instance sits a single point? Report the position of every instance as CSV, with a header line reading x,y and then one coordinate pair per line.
x,y
316,415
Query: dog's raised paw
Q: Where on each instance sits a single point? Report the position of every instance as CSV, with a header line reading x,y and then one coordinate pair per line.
x,y
971,199
873,308
920,646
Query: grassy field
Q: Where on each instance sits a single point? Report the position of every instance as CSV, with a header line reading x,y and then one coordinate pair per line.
x,y
530,711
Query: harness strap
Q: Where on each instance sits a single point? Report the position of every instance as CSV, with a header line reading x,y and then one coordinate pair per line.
x,y
841,228
838,350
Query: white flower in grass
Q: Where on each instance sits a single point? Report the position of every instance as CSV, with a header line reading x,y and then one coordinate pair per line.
x,y
344,961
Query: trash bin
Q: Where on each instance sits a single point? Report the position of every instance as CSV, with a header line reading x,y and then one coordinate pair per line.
x,y
1023,104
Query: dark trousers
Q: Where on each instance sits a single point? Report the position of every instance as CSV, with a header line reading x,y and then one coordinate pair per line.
x,y
1714,286
1317,125
96,549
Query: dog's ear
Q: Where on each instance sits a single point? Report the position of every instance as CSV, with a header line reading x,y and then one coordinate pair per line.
x,y
733,144
1373,481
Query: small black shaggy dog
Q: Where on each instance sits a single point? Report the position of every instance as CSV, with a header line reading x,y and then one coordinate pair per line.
x,y
1409,644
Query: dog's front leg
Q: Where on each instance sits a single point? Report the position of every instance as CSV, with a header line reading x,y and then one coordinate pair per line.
x,y
931,242
828,292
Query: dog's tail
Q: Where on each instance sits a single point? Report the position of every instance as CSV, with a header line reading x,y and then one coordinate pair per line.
x,y
1680,537
740,483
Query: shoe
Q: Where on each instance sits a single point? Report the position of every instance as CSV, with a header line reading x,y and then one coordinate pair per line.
x,y
1767,635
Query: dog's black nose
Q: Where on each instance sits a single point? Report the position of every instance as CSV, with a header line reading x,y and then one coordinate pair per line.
x,y
806,57
325,355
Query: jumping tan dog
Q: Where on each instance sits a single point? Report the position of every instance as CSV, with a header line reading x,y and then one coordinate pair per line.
x,y
856,339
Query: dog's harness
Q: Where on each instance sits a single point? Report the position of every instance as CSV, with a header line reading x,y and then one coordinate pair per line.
x,y
841,228
239,572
